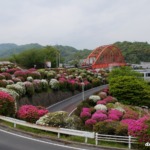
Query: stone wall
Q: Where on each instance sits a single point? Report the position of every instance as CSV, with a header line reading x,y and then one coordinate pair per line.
x,y
45,99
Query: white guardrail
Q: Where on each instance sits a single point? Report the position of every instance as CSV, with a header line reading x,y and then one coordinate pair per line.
x,y
115,138
98,137
51,129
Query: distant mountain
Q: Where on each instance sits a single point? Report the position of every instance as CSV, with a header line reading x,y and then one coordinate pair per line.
x,y
70,53
9,49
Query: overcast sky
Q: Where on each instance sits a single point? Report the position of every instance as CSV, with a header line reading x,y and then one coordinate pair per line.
x,y
78,23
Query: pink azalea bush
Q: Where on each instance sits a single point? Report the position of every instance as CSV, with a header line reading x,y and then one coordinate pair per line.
x,y
85,114
7,75
138,128
130,114
90,122
7,104
99,116
21,73
31,113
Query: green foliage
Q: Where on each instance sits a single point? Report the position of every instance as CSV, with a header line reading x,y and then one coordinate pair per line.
x,y
110,127
123,71
36,57
135,52
9,49
130,90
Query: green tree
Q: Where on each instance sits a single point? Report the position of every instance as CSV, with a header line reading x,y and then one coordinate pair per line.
x,y
130,90
123,71
36,57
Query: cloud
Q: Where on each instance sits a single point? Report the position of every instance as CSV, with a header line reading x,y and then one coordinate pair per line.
x,y
82,24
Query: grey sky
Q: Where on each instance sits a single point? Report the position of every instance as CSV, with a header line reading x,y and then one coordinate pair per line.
x,y
78,23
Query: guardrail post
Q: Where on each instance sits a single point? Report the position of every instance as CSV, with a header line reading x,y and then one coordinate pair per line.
x,y
129,142
14,125
58,135
86,139
96,139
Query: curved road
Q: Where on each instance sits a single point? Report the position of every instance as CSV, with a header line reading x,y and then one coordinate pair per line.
x,y
13,141
70,103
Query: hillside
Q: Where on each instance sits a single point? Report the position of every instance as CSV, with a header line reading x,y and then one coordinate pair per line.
x,y
9,49
134,52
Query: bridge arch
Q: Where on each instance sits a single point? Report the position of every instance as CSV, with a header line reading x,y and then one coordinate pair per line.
x,y
105,57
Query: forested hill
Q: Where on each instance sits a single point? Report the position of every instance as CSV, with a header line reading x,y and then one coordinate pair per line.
x,y
70,53
9,49
134,52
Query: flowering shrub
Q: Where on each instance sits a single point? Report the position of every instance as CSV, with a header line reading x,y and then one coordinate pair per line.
x,y
29,88
106,127
3,83
15,80
7,75
54,84
86,109
102,95
99,116
113,117
54,119
130,114
96,82
95,98
37,85
51,74
34,74
102,102
90,122
101,107
44,84
7,104
85,114
13,93
12,70
62,83
29,78
21,73
30,113
110,99
20,89
10,82
139,129
2,77
116,112
72,85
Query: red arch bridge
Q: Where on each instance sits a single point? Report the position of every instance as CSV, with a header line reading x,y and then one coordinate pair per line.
x,y
105,57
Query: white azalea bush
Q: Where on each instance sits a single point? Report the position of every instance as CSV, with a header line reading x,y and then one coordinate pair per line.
x,y
59,119
54,119
29,79
54,84
95,98
100,107
20,89
44,84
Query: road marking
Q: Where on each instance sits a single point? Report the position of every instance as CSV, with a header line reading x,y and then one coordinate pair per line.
x,y
40,141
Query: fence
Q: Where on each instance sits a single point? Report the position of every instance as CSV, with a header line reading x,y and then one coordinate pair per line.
x,y
59,131
113,138
98,137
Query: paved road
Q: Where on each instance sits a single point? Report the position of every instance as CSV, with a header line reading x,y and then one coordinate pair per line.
x,y
17,141
70,103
